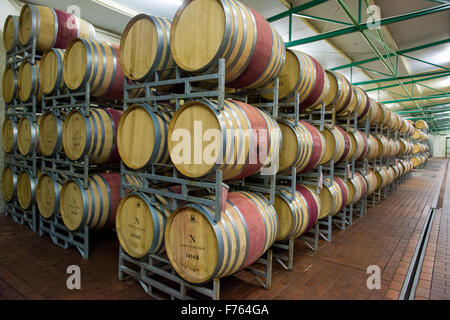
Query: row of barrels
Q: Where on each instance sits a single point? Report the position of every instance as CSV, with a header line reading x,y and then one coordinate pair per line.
x,y
83,62
198,248
78,135
245,139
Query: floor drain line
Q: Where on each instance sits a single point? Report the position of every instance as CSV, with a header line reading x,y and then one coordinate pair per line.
x,y
413,275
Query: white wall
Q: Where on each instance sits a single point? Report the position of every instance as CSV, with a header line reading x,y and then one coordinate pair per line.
x,y
438,145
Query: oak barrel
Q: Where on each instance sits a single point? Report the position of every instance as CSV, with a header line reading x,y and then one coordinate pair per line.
x,y
96,63
312,200
50,134
421,124
94,207
10,85
145,48
292,213
140,225
28,81
142,135
26,189
302,146
339,94
93,136
301,73
48,191
200,249
11,32
9,183
28,136
254,52
9,134
363,105
244,139
51,27
51,71
335,144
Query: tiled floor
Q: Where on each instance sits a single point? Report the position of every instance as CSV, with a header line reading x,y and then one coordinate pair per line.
x,y
34,268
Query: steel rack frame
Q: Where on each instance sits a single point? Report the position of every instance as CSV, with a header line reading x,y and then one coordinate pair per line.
x,y
64,238
63,169
158,278
17,109
22,53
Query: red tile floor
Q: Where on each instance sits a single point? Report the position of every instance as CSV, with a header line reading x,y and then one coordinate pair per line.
x,y
34,268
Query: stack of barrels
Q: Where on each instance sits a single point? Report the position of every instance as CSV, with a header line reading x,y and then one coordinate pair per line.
x,y
240,140
420,148
70,60
197,139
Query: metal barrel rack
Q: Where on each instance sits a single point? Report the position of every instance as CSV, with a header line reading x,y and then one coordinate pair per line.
x,y
154,272
17,109
63,169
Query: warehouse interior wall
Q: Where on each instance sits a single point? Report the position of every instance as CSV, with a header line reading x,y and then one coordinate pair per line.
x,y
438,145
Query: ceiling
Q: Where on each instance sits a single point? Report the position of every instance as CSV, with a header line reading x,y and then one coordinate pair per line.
x,y
113,15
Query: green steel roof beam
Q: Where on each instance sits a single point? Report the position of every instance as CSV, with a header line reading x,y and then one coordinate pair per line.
x,y
425,111
378,53
447,95
410,76
364,26
400,52
296,9
431,88
408,82
426,62
307,16
429,106
375,71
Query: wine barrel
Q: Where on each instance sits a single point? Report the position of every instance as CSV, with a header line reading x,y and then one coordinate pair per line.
x,y
9,135
28,81
360,185
339,93
373,147
302,146
11,33
142,135
140,225
381,177
93,136
375,112
94,207
292,214
331,198
246,139
313,202
96,63
200,249
9,183
26,189
10,85
347,145
363,103
51,71
421,124
254,52
145,48
371,182
362,144
335,144
28,136
301,73
350,188
387,117
344,190
51,27
48,191
50,134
